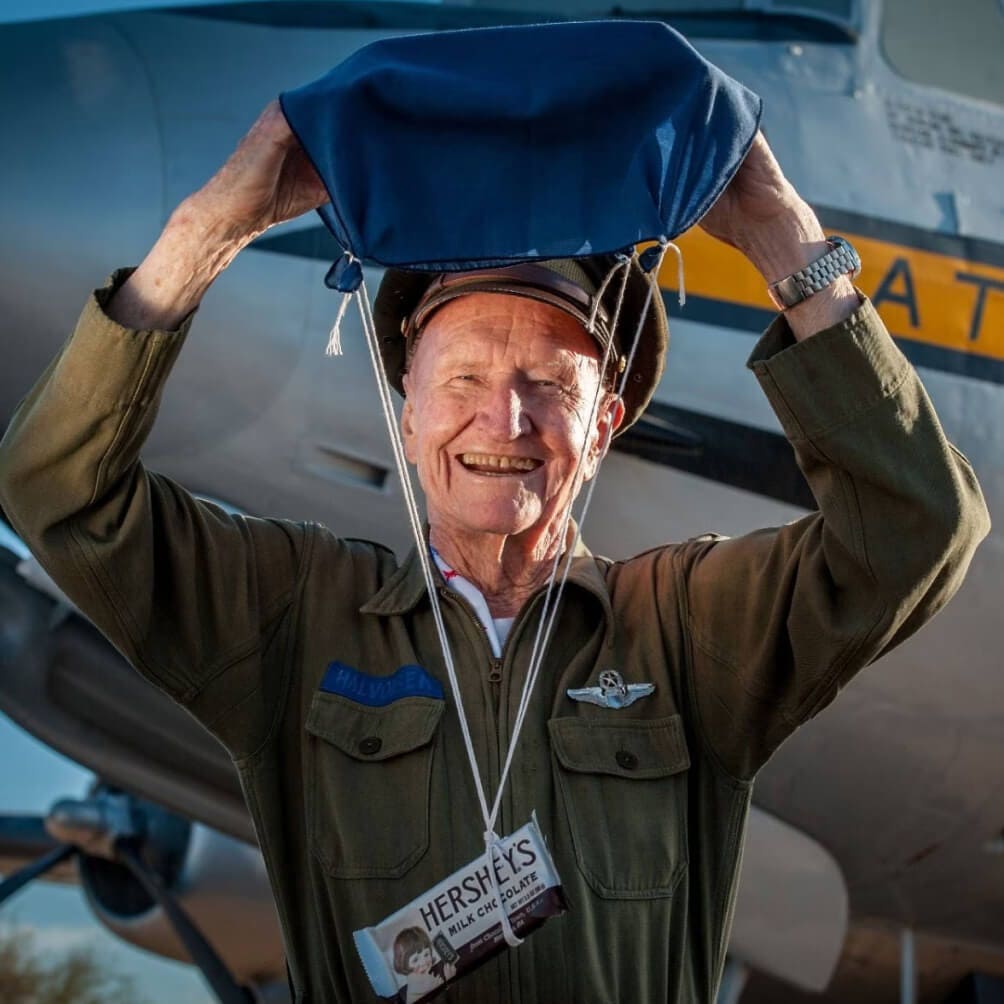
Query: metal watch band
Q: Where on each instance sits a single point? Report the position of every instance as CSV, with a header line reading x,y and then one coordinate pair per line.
x,y
840,259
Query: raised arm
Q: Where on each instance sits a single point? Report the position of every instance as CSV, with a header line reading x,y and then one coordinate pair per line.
x,y
781,618
267,179
762,215
189,594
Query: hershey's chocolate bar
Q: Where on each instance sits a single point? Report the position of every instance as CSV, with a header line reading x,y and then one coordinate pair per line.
x,y
455,926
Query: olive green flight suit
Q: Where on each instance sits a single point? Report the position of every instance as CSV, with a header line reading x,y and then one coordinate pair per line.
x,y
359,809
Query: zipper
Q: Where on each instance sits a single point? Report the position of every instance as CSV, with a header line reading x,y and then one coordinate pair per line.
x,y
509,964
513,963
495,679
505,821
494,686
506,966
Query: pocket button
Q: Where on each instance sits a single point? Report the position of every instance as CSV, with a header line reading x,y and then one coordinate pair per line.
x,y
626,760
370,745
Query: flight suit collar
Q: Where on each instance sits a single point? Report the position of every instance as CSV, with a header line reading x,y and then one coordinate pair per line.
x,y
406,587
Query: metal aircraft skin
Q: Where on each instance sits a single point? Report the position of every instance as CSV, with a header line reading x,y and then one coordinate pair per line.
x,y
887,811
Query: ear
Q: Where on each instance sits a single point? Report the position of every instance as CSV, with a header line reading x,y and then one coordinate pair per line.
x,y
609,421
408,424
617,413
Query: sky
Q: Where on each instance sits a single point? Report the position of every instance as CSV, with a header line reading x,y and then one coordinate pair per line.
x,y
32,779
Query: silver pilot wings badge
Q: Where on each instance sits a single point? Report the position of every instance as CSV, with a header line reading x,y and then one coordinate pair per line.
x,y
612,692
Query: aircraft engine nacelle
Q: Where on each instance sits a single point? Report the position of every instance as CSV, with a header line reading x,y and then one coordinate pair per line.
x,y
63,682
219,881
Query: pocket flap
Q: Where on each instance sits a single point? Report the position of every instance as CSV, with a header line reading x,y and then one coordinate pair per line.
x,y
627,747
374,733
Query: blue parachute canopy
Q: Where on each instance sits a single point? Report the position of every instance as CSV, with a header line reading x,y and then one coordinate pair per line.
x,y
468,149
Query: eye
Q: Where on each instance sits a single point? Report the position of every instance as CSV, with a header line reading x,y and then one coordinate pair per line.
x,y
550,381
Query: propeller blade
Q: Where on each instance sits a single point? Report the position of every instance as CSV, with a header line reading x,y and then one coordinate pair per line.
x,y
38,867
203,955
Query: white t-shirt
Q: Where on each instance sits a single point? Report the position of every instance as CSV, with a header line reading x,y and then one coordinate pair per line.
x,y
497,628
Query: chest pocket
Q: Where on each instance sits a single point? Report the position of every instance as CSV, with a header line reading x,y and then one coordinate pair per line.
x,y
370,771
624,788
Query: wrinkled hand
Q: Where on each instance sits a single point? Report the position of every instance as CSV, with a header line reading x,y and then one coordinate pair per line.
x,y
757,198
762,215
266,180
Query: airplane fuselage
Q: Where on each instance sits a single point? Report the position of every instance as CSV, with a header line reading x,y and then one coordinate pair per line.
x,y
112,120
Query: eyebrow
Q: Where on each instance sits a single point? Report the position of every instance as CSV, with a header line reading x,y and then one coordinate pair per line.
x,y
562,364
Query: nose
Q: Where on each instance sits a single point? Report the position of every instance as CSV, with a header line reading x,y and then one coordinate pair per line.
x,y
503,413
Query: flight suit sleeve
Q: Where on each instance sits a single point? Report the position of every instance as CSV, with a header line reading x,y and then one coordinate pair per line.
x,y
780,619
188,593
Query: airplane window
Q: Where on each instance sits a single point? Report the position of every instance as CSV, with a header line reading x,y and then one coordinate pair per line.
x,y
956,47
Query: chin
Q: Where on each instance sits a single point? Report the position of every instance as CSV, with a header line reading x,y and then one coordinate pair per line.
x,y
501,518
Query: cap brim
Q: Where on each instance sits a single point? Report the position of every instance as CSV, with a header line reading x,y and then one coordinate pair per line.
x,y
401,291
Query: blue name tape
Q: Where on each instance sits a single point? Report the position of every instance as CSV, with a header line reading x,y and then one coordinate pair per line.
x,y
379,691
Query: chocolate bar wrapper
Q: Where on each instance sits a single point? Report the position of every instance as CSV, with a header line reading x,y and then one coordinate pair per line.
x,y
455,926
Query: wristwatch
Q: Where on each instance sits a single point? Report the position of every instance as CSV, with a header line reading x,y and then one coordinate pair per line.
x,y
840,259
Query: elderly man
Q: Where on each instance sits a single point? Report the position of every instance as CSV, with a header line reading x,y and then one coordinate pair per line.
x,y
255,625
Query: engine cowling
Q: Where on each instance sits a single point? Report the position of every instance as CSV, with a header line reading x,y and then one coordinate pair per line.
x,y
219,881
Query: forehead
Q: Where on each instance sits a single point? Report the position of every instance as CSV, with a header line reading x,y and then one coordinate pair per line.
x,y
486,324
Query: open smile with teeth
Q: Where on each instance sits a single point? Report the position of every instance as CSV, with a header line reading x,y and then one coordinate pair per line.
x,y
490,463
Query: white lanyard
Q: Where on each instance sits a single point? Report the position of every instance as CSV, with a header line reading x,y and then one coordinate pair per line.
x,y
552,597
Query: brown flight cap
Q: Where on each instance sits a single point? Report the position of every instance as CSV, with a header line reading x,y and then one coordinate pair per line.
x,y
407,299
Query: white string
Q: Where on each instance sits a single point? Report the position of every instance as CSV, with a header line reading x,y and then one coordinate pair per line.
x,y
533,669
335,335
592,485
550,603
535,654
492,841
552,597
549,608
682,293
383,387
601,292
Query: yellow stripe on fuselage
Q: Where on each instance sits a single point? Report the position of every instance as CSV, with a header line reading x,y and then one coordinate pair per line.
x,y
922,295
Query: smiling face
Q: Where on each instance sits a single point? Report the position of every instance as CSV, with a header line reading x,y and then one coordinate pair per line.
x,y
499,394
420,962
